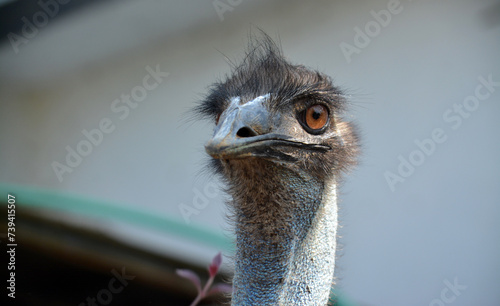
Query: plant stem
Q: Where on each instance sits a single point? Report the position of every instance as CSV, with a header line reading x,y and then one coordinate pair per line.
x,y
204,292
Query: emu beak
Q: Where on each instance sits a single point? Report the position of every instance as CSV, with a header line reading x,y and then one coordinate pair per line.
x,y
241,131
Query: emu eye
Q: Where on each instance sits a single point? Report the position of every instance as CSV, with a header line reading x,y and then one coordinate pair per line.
x,y
217,119
315,118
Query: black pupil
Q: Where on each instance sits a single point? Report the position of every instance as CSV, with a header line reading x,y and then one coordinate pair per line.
x,y
316,114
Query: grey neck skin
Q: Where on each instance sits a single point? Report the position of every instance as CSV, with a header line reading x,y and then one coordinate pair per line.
x,y
286,241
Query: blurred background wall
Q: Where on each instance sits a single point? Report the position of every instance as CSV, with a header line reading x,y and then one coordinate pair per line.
x,y
421,212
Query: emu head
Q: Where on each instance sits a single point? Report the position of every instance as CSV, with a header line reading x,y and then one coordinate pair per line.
x,y
270,109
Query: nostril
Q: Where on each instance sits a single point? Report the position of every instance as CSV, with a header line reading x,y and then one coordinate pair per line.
x,y
246,132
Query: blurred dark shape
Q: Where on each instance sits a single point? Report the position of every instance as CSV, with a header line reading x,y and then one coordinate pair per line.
x,y
58,263
12,13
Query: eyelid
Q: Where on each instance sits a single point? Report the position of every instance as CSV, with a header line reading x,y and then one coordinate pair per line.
x,y
300,108
303,103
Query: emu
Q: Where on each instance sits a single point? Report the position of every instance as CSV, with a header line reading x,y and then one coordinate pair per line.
x,y
281,146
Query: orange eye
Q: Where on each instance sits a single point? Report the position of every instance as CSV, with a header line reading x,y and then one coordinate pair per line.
x,y
316,117
217,119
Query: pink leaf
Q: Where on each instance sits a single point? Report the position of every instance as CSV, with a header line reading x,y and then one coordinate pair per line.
x,y
193,277
220,288
214,267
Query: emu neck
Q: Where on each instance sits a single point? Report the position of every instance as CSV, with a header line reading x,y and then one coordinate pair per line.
x,y
286,238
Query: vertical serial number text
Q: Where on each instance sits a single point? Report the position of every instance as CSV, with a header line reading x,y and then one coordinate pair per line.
x,y
11,245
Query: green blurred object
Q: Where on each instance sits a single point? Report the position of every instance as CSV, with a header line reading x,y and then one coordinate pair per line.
x,y
58,201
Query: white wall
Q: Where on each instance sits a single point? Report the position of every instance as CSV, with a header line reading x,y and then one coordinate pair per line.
x,y
401,246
